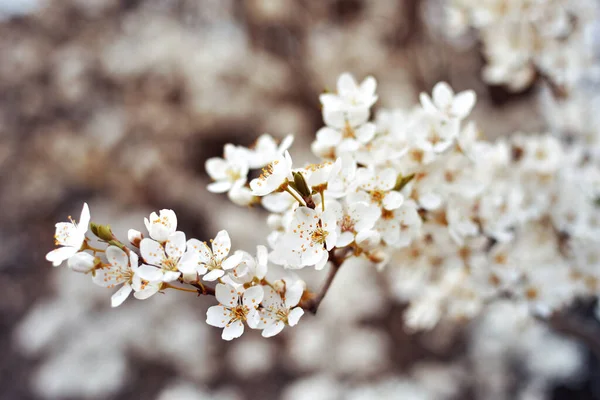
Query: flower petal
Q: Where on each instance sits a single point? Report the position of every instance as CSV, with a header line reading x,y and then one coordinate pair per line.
x,y
218,316
150,273
152,251
117,257
294,316
463,104
221,245
233,330
232,261
393,200
226,295
213,275
57,256
252,296
175,245
119,297
273,329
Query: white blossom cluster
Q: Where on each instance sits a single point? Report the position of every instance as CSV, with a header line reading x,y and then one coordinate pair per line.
x,y
459,221
523,39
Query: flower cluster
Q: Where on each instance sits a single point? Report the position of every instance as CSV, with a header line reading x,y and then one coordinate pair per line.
x,y
457,220
527,38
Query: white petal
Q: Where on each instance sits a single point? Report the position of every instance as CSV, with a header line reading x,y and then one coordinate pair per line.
x,y
329,136
170,276
218,316
294,316
346,85
319,265
365,132
442,95
213,275
119,297
57,256
273,329
221,245
463,104
232,261
152,251
368,86
117,257
233,330
219,186
253,296
253,319
216,168
175,245
84,220
150,290
427,104
293,294
150,273
393,200
226,295
188,263
204,252
82,262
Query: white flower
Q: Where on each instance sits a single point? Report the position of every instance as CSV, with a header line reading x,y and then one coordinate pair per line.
x,y
134,237
241,195
266,150
227,171
71,236
121,270
432,133
346,139
235,307
446,104
250,268
351,104
319,175
279,309
353,218
172,258
82,262
273,176
399,227
161,226
308,239
214,261
377,188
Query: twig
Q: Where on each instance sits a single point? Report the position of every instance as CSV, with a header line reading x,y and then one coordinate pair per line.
x,y
312,303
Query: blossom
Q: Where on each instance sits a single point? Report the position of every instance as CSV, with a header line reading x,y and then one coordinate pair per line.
x,y
82,262
228,171
309,239
279,308
160,227
351,103
214,262
251,268
273,176
71,236
446,104
235,308
377,188
346,139
265,150
166,262
122,269
400,226
353,218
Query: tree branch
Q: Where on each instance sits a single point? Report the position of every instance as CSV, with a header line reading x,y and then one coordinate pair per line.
x,y
312,303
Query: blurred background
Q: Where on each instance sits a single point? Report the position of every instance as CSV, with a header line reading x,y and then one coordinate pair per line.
x,y
120,102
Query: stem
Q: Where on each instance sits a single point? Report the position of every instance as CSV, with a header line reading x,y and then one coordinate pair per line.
x,y
169,286
322,193
201,289
298,199
312,304
86,246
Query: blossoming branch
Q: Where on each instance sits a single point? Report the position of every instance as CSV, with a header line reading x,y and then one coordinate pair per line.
x,y
451,220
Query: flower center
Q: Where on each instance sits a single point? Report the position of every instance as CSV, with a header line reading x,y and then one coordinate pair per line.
x,y
268,170
319,236
348,132
239,313
233,175
347,224
377,196
170,264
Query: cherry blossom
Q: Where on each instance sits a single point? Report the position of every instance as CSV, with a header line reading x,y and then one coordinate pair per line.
x,y
273,176
227,172
235,307
280,308
161,226
122,270
166,262
71,236
212,263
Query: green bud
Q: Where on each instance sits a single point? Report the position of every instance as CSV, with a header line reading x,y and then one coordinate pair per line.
x,y
402,181
301,185
94,228
104,232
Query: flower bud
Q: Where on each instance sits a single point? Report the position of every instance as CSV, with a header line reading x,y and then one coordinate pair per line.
x,y
300,184
135,237
82,262
102,232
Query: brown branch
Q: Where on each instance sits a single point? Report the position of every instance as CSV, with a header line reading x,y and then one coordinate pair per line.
x,y
313,301
203,290
575,327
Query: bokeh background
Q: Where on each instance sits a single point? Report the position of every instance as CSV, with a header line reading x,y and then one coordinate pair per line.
x,y
120,102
